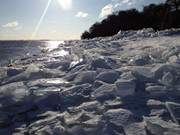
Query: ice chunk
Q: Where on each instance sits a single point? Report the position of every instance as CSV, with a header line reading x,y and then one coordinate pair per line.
x,y
84,122
165,70
76,94
34,73
113,104
87,106
156,90
146,32
46,98
85,77
63,65
98,83
174,110
155,104
12,93
14,71
140,60
49,125
174,59
32,69
127,75
3,73
75,118
76,63
104,92
125,88
93,123
132,34
61,53
142,74
135,129
120,117
47,82
157,126
108,77
100,63
168,79
171,51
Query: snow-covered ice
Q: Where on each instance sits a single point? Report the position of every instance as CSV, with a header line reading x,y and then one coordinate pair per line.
x,y
127,84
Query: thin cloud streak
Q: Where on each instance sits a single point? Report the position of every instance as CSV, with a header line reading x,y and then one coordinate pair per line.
x,y
41,19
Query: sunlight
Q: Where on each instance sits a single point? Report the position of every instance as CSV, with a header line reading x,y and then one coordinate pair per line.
x,y
65,4
61,53
51,45
41,19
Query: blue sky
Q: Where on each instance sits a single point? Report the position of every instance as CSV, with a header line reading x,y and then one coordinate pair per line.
x,y
63,20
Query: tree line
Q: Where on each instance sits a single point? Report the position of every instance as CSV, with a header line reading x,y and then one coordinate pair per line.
x,y
157,16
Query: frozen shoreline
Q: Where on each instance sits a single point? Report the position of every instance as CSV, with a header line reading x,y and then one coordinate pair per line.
x,y
127,84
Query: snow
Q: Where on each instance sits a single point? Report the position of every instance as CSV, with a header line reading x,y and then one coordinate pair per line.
x,y
125,84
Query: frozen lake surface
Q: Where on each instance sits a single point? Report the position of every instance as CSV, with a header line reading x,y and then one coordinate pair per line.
x,y
11,50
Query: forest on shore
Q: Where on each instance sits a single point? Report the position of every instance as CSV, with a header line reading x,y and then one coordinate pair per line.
x,y
157,16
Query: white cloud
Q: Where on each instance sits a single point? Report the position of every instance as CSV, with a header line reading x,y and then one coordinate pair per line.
x,y
124,2
128,2
107,10
13,24
115,5
81,14
65,4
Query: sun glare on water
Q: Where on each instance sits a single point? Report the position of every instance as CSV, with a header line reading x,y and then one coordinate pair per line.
x,y
56,51
51,45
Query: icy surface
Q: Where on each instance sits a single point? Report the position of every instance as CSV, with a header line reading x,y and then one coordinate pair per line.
x,y
128,84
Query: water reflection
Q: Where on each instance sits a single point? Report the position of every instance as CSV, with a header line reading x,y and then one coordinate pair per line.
x,y
60,53
47,82
56,81
75,62
54,49
52,45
